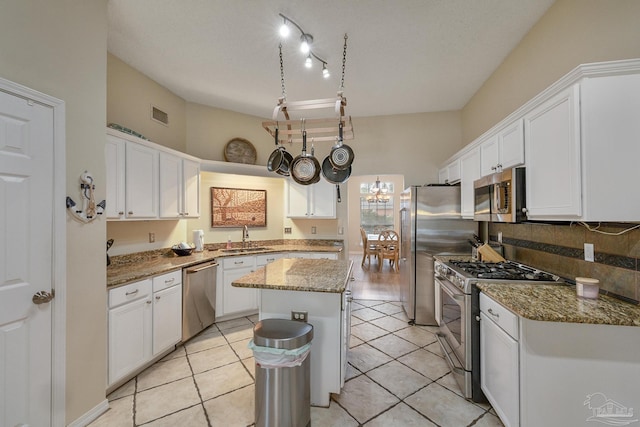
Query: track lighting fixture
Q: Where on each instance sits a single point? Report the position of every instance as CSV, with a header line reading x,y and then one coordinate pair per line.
x,y
306,41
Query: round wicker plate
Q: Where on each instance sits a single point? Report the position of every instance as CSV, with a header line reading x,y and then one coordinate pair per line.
x,y
239,150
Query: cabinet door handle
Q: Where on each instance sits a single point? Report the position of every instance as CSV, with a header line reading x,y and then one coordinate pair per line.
x,y
496,315
157,297
170,280
148,301
132,292
130,212
121,213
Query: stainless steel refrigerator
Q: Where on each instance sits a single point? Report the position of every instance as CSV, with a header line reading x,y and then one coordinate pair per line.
x,y
430,223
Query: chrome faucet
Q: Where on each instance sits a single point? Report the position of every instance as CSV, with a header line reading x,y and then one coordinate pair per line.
x,y
245,235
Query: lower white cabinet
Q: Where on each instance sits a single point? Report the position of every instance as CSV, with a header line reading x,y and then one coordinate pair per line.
x,y
145,320
499,361
232,300
167,311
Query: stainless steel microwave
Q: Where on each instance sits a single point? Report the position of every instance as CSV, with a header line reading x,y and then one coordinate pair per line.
x,y
500,197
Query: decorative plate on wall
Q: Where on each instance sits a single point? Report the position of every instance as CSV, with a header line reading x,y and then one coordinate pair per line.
x,y
239,150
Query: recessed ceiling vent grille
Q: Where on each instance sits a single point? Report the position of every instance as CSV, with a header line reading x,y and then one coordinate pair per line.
x,y
159,116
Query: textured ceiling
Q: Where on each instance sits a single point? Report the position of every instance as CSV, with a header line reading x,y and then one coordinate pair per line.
x,y
403,56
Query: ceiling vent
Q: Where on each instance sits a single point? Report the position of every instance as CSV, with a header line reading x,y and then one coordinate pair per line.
x,y
159,116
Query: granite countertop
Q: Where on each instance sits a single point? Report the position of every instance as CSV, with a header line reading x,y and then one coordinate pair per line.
x,y
559,303
129,268
298,274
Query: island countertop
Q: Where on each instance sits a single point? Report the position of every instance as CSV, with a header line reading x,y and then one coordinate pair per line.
x,y
299,274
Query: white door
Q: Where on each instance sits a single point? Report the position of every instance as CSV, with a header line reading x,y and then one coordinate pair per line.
x,y
26,241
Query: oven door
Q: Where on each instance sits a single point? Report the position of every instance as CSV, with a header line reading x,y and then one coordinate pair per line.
x,y
454,336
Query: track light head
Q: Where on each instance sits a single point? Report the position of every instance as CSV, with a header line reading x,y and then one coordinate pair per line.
x,y
305,43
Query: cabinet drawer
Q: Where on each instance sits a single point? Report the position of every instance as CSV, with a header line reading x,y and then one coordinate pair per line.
x,y
167,280
238,262
266,259
504,318
130,292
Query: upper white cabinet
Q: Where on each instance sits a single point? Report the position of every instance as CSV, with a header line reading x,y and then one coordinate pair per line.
x,y
114,156
469,172
503,150
179,187
146,181
580,139
311,201
450,174
552,144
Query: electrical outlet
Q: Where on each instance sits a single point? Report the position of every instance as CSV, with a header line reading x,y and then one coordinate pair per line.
x,y
499,236
300,316
313,230
287,230
340,230
152,237
588,252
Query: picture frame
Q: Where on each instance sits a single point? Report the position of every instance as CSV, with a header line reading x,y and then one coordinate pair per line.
x,y
237,207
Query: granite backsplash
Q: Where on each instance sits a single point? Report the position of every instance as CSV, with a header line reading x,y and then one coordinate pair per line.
x,y
559,249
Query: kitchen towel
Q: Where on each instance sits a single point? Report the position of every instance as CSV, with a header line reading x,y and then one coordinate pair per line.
x,y
198,240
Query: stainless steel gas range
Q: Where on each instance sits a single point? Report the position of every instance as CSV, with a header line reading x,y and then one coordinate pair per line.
x,y
458,312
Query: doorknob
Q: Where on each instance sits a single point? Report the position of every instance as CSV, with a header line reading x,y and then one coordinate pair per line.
x,y
42,297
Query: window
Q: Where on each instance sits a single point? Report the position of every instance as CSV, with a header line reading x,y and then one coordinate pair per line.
x,y
376,206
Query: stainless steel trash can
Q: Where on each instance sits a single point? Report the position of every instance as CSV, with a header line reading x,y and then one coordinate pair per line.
x,y
282,390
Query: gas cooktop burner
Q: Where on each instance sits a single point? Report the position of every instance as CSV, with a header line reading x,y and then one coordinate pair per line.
x,y
502,271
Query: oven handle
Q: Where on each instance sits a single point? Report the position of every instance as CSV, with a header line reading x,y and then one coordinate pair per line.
x,y
451,292
452,365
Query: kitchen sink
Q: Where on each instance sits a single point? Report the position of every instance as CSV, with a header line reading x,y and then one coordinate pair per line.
x,y
242,250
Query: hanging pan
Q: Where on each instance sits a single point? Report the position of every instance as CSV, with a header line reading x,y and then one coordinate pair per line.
x,y
279,160
305,169
333,175
341,154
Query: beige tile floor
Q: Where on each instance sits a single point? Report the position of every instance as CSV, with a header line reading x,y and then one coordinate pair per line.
x,y
396,377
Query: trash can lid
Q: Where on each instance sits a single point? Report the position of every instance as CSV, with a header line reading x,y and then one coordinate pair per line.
x,y
282,333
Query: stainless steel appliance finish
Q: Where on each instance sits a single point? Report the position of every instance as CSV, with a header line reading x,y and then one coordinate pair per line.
x,y
458,312
500,197
198,298
430,223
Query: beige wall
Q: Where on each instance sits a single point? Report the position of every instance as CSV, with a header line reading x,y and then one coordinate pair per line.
x,y
59,48
130,96
572,32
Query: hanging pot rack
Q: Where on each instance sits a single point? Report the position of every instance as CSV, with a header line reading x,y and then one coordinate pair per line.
x,y
320,129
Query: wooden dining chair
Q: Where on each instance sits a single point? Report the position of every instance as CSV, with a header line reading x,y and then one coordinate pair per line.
x,y
389,242
368,248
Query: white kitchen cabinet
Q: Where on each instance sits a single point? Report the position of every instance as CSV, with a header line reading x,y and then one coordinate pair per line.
x,y
317,201
130,329
499,360
141,181
556,366
450,174
167,311
179,187
232,300
469,172
503,150
115,191
552,149
145,321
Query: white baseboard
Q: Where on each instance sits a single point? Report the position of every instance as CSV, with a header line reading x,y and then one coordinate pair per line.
x,y
91,415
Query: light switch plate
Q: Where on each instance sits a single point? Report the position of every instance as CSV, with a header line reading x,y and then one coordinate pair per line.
x,y
588,252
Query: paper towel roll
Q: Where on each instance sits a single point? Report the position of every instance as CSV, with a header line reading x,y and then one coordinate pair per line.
x,y
198,240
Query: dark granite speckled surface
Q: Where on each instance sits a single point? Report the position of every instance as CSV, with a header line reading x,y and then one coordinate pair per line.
x,y
298,274
129,268
559,303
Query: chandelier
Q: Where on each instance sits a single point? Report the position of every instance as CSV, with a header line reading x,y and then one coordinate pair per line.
x,y
378,193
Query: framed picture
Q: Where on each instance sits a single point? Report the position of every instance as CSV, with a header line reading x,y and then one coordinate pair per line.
x,y
236,207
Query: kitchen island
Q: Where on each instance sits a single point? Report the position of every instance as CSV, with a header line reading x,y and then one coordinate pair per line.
x,y
320,289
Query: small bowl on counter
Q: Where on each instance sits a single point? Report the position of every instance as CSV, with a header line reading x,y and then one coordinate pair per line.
x,y
181,250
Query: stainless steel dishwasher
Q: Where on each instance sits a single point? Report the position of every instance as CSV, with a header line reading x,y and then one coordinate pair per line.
x,y
198,298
